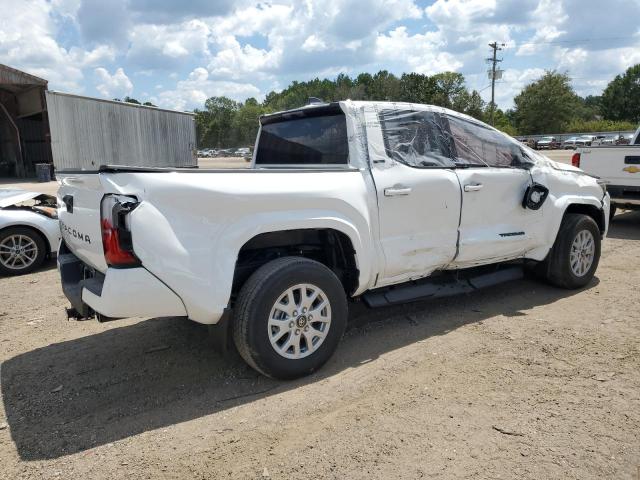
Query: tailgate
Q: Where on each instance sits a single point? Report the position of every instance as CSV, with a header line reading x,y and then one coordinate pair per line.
x,y
79,197
616,165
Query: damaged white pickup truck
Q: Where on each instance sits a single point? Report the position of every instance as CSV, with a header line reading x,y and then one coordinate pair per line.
x,y
388,202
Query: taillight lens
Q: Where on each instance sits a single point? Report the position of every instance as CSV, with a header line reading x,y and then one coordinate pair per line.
x,y
116,233
575,160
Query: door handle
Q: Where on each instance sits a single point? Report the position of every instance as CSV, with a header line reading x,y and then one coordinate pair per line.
x,y
396,191
473,187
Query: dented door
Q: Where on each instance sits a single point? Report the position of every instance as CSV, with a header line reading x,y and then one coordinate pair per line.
x,y
418,205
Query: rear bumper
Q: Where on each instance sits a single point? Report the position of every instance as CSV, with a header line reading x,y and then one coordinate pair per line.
x,y
118,293
624,196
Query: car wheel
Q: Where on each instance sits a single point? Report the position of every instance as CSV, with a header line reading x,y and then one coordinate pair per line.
x,y
22,250
574,258
289,317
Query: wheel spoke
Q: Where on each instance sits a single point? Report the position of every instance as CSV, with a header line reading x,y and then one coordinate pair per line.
x,y
307,306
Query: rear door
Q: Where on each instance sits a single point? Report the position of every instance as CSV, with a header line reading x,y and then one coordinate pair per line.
x,y
79,198
417,189
493,224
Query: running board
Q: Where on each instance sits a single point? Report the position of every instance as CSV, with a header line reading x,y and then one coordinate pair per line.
x,y
443,286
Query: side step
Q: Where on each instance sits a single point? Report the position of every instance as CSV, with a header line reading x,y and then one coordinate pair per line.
x,y
445,285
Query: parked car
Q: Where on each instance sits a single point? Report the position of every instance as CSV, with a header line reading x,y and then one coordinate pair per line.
x,y
420,202
570,143
29,230
547,143
585,140
624,139
619,167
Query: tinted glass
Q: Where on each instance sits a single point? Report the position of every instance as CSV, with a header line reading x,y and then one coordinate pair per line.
x,y
417,139
479,145
304,141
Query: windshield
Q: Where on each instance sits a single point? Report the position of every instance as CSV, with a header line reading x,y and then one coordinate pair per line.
x,y
546,139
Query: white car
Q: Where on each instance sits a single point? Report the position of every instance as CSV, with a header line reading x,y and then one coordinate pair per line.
x,y
29,230
386,202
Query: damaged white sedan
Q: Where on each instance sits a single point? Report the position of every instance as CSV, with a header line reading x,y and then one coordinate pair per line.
x,y
384,202
29,230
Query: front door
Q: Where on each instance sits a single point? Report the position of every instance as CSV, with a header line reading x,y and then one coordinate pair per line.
x,y
494,226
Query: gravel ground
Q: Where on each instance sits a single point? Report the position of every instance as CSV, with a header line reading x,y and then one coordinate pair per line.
x,y
519,381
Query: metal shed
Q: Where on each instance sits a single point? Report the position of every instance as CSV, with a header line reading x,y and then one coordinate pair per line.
x,y
76,132
24,129
89,132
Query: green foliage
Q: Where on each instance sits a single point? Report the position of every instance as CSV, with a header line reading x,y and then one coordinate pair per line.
x,y
225,123
621,98
578,126
546,105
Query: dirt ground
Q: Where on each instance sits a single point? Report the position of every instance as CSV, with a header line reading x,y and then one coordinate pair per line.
x,y
518,381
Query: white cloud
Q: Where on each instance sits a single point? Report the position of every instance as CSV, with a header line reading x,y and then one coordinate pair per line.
x,y
314,44
194,91
113,86
418,53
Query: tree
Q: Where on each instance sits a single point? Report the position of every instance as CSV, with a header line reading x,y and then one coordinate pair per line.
x,y
416,88
546,105
621,98
128,99
214,123
449,86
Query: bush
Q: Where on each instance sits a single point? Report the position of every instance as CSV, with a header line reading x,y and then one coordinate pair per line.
x,y
578,126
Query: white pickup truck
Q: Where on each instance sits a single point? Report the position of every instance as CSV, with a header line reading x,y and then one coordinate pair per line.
x,y
619,167
388,202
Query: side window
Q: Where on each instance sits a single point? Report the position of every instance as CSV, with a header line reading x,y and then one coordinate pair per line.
x,y
308,140
477,145
415,138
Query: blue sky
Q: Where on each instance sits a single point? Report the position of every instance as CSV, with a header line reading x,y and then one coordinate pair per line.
x,y
177,54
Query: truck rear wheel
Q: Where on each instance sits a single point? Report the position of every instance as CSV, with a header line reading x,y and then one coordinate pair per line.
x,y
574,258
289,317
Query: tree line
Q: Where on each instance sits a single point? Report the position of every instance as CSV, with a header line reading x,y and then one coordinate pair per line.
x,y
547,105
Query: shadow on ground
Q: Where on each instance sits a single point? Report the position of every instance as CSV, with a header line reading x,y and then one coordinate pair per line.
x,y
625,226
76,395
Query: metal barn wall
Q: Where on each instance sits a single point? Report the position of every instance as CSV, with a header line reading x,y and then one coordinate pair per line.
x,y
89,132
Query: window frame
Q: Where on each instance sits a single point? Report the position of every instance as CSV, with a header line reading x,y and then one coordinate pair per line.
x,y
331,109
523,165
444,124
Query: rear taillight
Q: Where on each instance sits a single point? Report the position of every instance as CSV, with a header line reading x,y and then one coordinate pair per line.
x,y
116,233
575,160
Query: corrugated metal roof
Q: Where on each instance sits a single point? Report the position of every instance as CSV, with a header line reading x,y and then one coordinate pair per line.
x,y
124,104
10,75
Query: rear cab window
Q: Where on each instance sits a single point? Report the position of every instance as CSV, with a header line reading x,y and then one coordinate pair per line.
x,y
307,137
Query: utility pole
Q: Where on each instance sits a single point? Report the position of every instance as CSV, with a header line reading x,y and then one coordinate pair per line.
x,y
494,74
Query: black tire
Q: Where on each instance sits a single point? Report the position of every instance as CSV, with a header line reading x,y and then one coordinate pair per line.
x,y
558,269
37,240
254,305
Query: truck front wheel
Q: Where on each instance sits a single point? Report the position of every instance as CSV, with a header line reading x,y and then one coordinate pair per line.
x,y
574,258
289,317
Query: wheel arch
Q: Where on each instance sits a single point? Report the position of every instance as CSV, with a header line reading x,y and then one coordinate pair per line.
x,y
590,210
330,246
35,229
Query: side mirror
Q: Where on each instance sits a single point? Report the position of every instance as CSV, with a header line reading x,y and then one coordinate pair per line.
x,y
534,196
